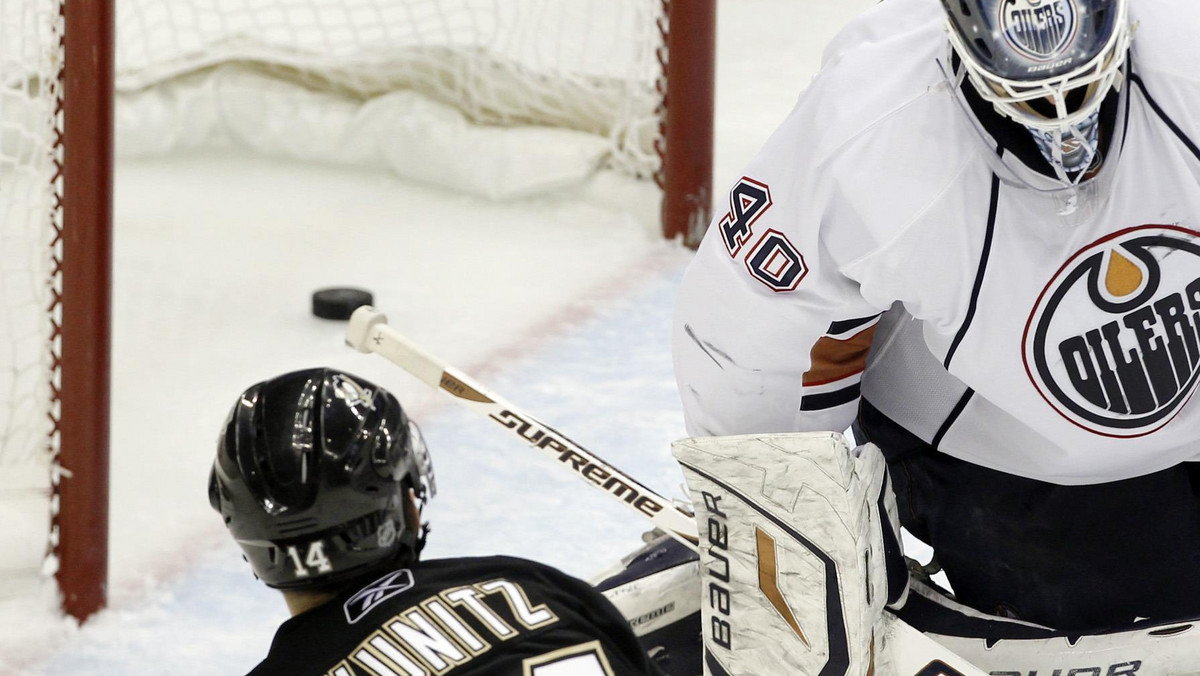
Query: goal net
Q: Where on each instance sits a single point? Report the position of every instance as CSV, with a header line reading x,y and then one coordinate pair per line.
x,y
30,64
431,89
498,97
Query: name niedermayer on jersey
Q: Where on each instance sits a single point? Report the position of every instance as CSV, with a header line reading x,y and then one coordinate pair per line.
x,y
1113,344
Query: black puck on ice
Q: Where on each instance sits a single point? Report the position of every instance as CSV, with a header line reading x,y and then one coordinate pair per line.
x,y
339,302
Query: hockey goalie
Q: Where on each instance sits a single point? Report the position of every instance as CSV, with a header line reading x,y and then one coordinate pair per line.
x,y
976,242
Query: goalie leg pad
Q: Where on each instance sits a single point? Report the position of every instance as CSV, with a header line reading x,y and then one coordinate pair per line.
x,y
794,546
1005,647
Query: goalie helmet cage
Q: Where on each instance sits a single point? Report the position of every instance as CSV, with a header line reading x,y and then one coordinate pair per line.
x,y
59,66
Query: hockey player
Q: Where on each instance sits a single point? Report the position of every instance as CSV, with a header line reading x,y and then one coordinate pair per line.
x,y
321,477
976,239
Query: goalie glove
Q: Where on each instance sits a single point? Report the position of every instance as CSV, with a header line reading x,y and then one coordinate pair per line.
x,y
799,552
657,589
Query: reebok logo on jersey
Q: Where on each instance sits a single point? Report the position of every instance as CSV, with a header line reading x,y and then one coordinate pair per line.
x,y
1038,29
357,606
1113,343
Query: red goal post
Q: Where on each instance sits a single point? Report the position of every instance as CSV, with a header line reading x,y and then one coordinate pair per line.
x,y
63,74
55,252
690,71
84,299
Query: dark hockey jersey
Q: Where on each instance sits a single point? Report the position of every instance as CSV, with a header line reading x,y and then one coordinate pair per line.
x,y
500,616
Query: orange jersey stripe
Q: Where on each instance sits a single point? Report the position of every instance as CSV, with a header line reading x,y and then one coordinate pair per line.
x,y
834,360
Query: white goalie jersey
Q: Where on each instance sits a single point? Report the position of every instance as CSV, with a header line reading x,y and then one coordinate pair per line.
x,y
1040,330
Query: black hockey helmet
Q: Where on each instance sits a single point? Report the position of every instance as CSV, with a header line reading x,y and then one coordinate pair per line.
x,y
1047,64
312,476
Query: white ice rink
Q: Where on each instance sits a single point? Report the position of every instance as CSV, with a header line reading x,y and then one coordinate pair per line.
x,y
560,304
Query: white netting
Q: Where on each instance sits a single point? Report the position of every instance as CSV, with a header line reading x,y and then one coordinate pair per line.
x,y
30,61
585,65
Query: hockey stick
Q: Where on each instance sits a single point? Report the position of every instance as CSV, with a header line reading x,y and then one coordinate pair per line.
x,y
369,332
912,652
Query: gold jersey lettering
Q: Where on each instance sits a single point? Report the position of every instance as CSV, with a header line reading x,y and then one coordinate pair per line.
x,y
426,640
526,613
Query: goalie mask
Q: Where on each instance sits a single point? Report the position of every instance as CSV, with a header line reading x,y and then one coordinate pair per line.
x,y
312,477
1047,64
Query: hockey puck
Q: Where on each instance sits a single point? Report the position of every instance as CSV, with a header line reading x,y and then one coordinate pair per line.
x,y
339,302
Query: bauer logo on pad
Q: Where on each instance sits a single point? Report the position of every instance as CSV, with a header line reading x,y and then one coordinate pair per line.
x,y
377,592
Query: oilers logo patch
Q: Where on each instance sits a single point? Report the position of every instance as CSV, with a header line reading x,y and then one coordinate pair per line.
x,y
1038,29
1113,344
